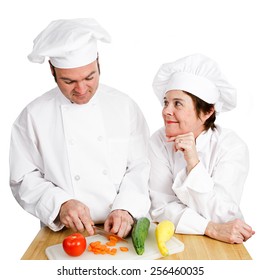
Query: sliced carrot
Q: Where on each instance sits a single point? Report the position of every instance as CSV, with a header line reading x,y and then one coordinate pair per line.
x,y
111,243
124,249
113,238
98,248
113,251
94,244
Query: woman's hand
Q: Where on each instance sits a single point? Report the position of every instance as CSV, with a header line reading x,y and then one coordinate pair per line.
x,y
186,144
119,222
235,231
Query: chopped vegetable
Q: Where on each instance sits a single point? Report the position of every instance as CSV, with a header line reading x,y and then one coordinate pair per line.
x,y
124,249
111,243
97,247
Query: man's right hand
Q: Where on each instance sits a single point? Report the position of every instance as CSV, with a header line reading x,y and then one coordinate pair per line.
x,y
76,215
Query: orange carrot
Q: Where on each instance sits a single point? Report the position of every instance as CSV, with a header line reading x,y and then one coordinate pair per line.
x,y
124,249
96,243
113,251
98,248
111,243
113,238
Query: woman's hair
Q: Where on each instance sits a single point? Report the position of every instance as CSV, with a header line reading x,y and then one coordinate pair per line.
x,y
204,107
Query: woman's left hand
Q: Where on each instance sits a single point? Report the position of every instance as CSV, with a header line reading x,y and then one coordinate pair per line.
x,y
236,231
186,144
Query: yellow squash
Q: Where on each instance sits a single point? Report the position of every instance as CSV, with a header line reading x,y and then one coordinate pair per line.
x,y
163,232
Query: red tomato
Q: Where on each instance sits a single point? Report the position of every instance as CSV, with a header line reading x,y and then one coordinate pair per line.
x,y
75,244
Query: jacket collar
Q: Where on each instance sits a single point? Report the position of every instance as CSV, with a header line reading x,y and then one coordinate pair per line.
x,y
203,140
65,101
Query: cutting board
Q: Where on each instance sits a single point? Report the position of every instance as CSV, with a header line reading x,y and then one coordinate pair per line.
x,y
56,252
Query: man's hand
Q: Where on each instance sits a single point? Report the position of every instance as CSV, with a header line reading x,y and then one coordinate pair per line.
x,y
75,215
119,222
232,232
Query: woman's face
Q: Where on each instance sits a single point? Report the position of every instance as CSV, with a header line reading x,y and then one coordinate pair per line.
x,y
180,116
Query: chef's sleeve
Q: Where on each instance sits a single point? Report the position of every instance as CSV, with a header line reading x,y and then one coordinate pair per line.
x,y
133,194
216,196
35,194
165,204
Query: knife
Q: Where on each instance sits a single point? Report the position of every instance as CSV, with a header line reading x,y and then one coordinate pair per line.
x,y
101,231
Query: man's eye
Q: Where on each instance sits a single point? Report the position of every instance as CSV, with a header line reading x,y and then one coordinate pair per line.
x,y
89,78
68,82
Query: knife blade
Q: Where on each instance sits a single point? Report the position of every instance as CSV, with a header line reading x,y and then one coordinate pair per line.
x,y
101,231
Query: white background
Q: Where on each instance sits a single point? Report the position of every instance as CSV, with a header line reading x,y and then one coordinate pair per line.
x,y
145,34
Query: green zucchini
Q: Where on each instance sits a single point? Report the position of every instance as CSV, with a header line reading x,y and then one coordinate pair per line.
x,y
139,234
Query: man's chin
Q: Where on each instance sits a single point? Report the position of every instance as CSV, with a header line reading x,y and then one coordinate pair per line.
x,y
80,100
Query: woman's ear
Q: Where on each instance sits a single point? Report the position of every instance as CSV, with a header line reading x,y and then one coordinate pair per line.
x,y
211,111
205,116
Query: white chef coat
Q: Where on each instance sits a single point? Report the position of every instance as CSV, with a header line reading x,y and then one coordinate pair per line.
x,y
96,153
210,192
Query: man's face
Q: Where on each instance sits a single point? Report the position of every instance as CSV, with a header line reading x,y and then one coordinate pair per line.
x,y
78,84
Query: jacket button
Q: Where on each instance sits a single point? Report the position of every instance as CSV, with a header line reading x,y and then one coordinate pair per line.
x,y
100,138
77,177
104,172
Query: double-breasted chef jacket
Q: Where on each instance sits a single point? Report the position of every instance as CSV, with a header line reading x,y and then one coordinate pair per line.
x,y
210,192
96,153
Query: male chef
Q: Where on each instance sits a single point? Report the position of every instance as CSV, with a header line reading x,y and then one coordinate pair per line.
x,y
78,153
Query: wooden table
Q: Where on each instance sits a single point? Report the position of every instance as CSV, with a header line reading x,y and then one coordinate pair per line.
x,y
196,247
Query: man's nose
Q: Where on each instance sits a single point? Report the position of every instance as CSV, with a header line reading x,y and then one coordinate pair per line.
x,y
81,87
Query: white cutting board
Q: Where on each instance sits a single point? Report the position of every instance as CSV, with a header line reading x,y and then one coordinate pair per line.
x,y
151,252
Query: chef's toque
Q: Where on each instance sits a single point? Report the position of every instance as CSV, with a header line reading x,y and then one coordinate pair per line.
x,y
69,43
198,75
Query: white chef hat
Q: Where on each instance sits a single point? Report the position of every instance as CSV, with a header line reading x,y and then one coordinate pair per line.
x,y
69,43
198,75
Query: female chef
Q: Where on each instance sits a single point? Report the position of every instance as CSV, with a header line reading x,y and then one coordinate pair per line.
x,y
198,169
78,153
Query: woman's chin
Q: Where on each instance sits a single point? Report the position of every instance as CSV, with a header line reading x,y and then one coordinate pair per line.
x,y
170,132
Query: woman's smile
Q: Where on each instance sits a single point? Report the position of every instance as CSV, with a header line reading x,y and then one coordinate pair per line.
x,y
171,122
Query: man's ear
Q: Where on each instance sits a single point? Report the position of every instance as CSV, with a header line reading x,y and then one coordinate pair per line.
x,y
52,68
53,71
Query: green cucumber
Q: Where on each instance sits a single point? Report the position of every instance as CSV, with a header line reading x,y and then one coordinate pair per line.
x,y
139,234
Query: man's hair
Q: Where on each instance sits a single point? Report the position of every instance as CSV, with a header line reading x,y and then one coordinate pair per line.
x,y
54,73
